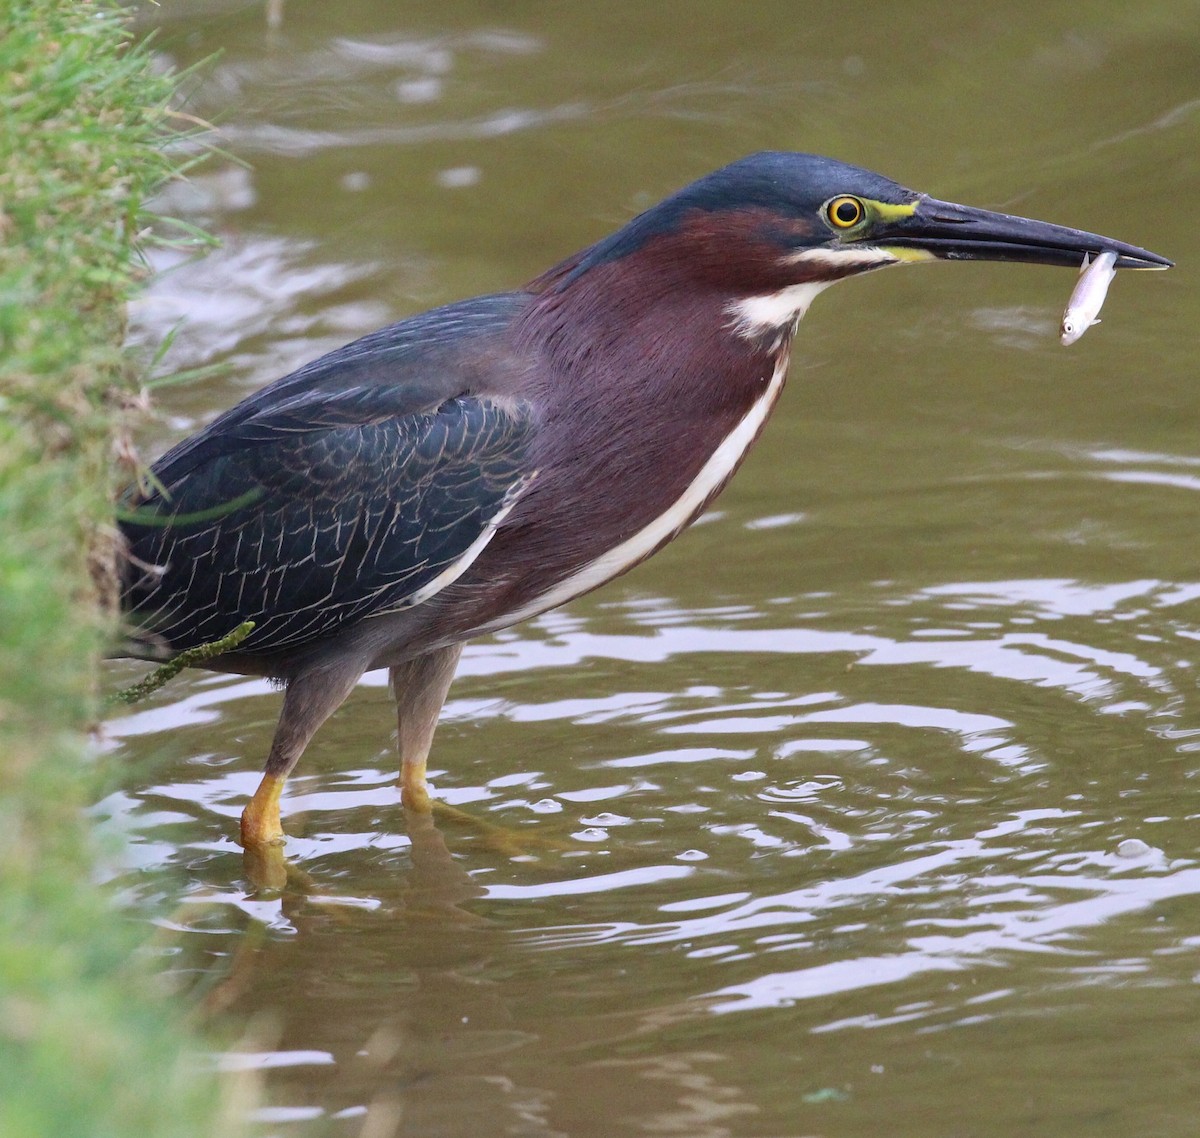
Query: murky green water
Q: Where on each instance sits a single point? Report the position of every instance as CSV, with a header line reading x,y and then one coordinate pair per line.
x,y
825,803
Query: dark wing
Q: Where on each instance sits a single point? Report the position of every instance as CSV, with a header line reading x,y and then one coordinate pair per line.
x,y
363,482
422,361
321,512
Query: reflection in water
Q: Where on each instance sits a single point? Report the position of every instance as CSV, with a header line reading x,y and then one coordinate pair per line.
x,y
228,301
862,861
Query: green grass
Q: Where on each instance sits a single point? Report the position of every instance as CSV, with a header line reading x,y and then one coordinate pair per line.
x,y
87,1044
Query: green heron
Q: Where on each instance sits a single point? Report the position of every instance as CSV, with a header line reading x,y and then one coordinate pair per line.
x,y
474,466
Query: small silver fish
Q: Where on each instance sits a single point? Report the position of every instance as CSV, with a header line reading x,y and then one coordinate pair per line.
x,y
1083,309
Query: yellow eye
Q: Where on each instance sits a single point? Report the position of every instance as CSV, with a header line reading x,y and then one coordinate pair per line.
x,y
845,212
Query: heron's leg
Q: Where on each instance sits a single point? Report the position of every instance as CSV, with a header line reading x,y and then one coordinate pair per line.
x,y
311,698
419,687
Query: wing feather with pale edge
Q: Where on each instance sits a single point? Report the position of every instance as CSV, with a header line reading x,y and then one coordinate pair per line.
x,y
354,487
319,518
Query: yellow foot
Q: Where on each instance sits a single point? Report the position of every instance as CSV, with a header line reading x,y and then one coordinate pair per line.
x,y
503,839
268,871
414,796
260,819
265,866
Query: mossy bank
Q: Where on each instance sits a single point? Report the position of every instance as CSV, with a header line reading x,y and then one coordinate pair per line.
x,y
87,1045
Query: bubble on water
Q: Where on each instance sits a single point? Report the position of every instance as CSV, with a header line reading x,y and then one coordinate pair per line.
x,y
606,819
1133,847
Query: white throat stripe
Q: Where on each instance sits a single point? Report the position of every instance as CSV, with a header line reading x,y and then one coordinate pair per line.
x,y
755,315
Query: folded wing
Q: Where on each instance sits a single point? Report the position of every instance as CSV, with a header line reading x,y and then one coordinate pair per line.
x,y
321,509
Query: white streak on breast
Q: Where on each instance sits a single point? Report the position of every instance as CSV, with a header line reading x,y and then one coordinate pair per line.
x,y
713,475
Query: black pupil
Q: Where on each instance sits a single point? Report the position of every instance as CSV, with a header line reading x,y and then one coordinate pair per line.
x,y
846,212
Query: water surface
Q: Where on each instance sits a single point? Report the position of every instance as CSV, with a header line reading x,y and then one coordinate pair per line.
x,y
867,807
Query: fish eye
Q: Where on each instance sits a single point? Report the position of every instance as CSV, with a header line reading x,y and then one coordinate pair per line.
x,y
844,212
